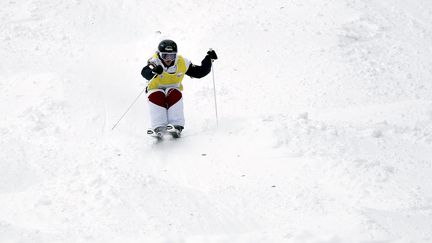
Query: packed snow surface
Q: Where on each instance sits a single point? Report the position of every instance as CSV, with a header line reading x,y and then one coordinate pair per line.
x,y
324,130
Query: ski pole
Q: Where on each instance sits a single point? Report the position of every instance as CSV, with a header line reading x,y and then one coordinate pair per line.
x,y
214,93
124,114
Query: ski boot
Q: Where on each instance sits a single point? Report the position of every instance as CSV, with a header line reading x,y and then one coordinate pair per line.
x,y
174,130
158,132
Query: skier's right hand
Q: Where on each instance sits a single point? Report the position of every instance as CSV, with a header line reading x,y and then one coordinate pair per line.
x,y
157,70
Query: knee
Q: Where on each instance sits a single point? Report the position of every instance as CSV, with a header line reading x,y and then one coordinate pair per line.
x,y
173,96
157,97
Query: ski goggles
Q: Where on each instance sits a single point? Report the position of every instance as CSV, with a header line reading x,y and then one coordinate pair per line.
x,y
168,56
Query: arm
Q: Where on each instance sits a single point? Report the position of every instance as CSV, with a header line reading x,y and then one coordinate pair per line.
x,y
200,71
147,73
205,68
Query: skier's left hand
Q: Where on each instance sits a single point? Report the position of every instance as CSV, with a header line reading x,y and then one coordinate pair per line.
x,y
212,54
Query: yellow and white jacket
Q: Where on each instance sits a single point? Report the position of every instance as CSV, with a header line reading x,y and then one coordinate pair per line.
x,y
172,76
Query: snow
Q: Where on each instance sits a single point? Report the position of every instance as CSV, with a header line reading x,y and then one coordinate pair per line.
x,y
324,135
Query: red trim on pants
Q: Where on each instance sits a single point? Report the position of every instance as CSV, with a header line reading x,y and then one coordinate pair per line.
x,y
158,98
173,96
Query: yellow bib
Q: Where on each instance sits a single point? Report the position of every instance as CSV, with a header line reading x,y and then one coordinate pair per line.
x,y
166,80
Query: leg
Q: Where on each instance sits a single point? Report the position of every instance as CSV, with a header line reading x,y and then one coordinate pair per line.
x,y
157,108
175,107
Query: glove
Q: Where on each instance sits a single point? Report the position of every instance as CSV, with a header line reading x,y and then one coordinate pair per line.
x,y
158,69
212,54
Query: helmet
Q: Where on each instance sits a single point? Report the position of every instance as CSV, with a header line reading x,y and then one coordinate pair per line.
x,y
167,50
167,46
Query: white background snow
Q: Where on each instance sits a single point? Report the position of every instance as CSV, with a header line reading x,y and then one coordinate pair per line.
x,y
324,136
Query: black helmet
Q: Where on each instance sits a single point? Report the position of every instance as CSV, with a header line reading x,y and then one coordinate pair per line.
x,y
167,46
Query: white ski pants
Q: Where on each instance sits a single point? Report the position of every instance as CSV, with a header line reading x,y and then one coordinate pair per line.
x,y
166,107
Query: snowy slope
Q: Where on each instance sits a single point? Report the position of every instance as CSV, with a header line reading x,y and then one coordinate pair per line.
x,y
325,113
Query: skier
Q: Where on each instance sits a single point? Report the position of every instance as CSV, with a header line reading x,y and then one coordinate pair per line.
x,y
164,73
